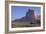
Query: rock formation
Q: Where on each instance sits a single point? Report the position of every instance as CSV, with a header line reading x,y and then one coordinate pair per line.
x,y
30,16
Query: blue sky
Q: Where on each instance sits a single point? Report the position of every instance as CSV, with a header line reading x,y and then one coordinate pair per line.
x,y
20,11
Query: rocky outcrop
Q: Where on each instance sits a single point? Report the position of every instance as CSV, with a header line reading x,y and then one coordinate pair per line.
x,y
29,17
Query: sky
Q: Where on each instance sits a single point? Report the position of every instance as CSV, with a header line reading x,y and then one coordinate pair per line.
x,y
20,11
